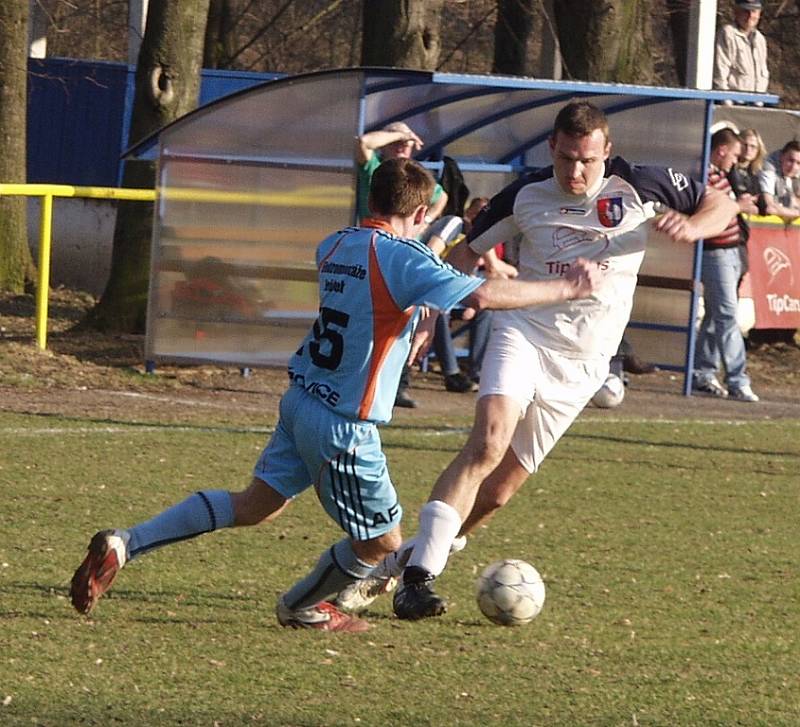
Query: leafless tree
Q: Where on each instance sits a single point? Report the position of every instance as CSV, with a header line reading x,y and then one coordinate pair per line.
x,y
401,33
16,267
167,85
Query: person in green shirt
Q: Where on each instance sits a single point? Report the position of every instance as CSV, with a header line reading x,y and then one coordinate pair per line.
x,y
394,140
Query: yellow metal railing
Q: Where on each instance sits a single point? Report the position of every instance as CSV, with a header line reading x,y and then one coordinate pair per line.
x,y
47,192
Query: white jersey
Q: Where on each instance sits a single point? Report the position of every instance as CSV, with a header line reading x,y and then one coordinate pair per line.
x,y
605,225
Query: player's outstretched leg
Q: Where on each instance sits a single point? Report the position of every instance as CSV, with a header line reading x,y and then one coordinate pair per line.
x,y
107,555
202,512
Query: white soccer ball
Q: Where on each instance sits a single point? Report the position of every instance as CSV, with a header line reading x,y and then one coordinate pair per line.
x,y
510,592
610,394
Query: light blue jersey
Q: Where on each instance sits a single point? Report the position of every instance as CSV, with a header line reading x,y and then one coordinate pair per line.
x,y
370,284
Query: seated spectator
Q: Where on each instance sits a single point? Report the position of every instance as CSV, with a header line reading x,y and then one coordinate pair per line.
x,y
780,183
740,52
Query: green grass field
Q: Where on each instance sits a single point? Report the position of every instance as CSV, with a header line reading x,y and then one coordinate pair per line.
x,y
669,550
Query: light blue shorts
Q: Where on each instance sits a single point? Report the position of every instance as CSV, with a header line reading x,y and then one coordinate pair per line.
x,y
342,458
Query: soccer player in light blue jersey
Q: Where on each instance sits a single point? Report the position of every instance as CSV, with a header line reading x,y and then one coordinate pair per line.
x,y
373,282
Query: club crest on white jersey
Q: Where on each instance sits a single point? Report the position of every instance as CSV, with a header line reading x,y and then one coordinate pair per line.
x,y
610,211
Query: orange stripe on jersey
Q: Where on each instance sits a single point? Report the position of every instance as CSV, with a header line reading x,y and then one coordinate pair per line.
x,y
378,224
388,321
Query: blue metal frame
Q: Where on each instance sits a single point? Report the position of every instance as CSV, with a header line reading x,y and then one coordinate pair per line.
x,y
698,263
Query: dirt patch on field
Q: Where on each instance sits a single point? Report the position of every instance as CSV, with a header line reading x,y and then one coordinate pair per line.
x,y
101,377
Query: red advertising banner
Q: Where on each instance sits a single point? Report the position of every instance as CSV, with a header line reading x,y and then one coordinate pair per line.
x,y
774,257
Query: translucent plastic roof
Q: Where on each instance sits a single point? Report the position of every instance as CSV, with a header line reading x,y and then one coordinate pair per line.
x,y
481,120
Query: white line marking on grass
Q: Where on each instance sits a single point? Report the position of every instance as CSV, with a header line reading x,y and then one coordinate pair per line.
x,y
173,400
130,429
133,427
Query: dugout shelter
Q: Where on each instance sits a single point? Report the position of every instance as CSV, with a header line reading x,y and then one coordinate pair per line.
x,y
248,185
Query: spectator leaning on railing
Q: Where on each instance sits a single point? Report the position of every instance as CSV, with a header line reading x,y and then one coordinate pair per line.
x,y
780,183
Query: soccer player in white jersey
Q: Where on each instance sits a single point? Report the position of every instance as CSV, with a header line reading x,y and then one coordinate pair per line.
x,y
543,364
373,280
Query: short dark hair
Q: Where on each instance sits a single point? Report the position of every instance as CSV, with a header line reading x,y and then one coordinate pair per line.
x,y
580,118
793,145
399,186
725,136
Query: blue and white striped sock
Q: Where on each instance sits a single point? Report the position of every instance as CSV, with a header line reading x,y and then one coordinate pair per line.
x,y
199,513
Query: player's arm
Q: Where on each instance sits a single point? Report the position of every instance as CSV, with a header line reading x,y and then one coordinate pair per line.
x,y
787,214
712,217
367,144
582,279
497,268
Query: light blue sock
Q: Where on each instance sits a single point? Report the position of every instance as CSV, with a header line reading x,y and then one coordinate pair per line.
x,y
199,513
336,568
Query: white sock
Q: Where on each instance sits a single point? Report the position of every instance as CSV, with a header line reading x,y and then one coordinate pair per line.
x,y
439,524
394,563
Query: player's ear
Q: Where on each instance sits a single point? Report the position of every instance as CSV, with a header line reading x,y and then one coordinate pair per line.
x,y
607,150
419,214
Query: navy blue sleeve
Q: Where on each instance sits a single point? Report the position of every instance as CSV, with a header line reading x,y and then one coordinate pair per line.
x,y
661,184
502,204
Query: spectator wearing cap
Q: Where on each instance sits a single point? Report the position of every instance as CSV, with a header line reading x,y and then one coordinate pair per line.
x,y
740,62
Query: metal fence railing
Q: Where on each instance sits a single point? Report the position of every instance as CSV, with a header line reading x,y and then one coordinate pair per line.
x,y
47,192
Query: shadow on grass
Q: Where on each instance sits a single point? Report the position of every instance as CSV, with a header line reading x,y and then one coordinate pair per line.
x,y
683,445
175,599
24,306
145,424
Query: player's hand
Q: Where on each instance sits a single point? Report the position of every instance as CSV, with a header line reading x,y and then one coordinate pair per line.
x,y
412,137
747,204
423,339
501,269
676,226
584,278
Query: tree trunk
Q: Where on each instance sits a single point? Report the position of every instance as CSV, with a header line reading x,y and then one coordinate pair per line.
x,y
167,86
679,31
218,47
16,265
605,40
402,33
511,33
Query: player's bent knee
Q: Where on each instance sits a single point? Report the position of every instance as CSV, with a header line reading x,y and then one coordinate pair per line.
x,y
487,452
376,549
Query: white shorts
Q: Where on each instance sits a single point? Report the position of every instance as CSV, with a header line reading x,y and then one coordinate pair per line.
x,y
550,388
